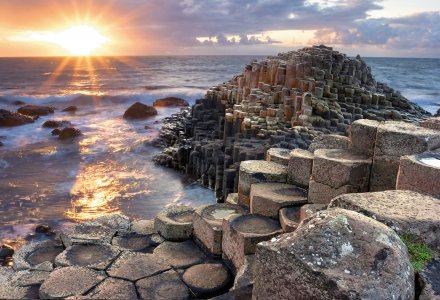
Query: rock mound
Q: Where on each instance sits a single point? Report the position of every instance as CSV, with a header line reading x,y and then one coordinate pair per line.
x,y
35,110
139,111
69,132
170,101
8,118
55,124
70,109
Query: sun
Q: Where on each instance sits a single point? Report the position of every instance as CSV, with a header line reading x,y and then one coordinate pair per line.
x,y
81,40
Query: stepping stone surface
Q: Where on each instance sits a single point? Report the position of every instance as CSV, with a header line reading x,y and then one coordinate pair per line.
x,y
174,223
269,197
70,281
317,261
134,266
179,254
278,155
132,242
145,227
37,255
206,279
403,211
118,222
166,285
94,256
112,288
87,233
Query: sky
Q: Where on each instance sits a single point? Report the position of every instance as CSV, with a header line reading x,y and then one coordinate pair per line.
x,y
396,28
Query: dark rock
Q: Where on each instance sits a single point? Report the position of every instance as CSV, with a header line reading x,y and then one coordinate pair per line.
x,y
139,111
6,251
35,110
70,109
42,228
170,101
8,118
69,132
242,293
55,124
56,131
18,102
437,114
1,144
429,280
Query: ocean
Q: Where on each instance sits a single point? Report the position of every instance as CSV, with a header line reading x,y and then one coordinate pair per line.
x,y
109,169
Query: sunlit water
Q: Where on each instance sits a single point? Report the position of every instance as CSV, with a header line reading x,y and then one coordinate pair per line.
x,y
109,169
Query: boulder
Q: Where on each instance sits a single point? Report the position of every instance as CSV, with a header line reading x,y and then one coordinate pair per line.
x,y
179,255
175,223
37,255
134,266
208,224
70,109
329,141
429,280
87,233
69,282
139,111
55,124
166,285
56,131
278,155
299,168
8,118
242,233
316,261
207,280
404,211
93,256
170,101
68,133
113,288
267,198
35,110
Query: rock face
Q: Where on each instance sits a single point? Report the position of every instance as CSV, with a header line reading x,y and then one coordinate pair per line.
x,y
170,101
8,118
299,168
175,223
403,211
68,133
35,110
139,111
316,261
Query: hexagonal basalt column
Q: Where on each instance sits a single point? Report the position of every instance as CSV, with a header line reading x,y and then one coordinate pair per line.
x,y
175,223
268,198
278,155
255,171
166,285
299,169
241,234
207,280
420,173
290,218
37,256
97,256
208,224
337,171
363,136
87,233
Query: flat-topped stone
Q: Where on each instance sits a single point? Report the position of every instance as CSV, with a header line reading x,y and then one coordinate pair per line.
x,y
393,140
207,280
134,266
21,284
362,136
278,155
255,171
420,173
118,222
242,233
268,198
317,261
403,211
87,233
299,169
93,256
208,224
179,255
166,285
132,242
174,223
113,288
37,255
144,227
70,281
289,218
329,141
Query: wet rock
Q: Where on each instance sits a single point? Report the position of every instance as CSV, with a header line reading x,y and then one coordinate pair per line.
x,y
241,234
179,255
118,222
403,211
170,101
70,281
166,285
316,261
132,242
134,266
70,109
37,255
429,281
68,133
18,102
87,233
175,222
94,256
35,110
139,111
6,250
268,198
207,280
55,124
8,118
112,288
208,224
145,227
56,131
278,155
43,228
299,168
330,141
1,144
289,218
